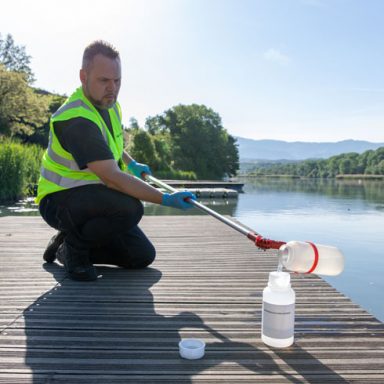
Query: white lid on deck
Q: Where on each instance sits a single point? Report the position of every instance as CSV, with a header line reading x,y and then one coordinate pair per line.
x,y
191,349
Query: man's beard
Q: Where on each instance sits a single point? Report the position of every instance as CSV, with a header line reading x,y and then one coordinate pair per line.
x,y
99,103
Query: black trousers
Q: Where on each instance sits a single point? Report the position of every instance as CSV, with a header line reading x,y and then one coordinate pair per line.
x,y
102,221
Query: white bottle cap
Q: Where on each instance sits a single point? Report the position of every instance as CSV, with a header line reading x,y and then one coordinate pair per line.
x,y
191,349
279,280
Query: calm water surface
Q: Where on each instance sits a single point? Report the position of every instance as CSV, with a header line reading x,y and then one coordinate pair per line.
x,y
346,214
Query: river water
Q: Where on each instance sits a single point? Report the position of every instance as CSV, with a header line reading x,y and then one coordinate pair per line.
x,y
348,214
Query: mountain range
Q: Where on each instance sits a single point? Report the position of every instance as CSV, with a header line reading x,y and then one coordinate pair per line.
x,y
250,149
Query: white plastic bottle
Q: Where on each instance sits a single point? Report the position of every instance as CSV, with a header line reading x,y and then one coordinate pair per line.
x,y
305,257
278,315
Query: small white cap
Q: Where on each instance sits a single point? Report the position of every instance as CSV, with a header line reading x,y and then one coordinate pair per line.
x,y
191,349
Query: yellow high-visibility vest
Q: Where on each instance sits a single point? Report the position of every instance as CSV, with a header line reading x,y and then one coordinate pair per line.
x,y
59,170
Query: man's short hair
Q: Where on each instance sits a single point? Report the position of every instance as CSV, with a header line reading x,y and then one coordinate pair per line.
x,y
98,47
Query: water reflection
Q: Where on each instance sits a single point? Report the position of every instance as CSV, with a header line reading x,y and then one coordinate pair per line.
x,y
267,195
25,207
293,196
371,191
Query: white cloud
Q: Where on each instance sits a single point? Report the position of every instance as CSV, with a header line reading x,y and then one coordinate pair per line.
x,y
276,56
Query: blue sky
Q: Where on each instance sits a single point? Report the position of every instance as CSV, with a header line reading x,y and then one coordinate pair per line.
x,y
295,70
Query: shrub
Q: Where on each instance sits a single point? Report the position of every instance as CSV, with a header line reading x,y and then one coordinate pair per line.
x,y
19,169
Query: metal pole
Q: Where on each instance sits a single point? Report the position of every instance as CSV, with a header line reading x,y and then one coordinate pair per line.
x,y
202,207
255,237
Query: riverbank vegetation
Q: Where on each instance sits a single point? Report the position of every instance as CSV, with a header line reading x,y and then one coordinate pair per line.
x,y
184,142
19,168
368,164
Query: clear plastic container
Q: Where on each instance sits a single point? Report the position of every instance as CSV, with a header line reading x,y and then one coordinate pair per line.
x,y
192,349
278,315
305,257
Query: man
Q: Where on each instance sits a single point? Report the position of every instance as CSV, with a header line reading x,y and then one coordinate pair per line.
x,y
84,191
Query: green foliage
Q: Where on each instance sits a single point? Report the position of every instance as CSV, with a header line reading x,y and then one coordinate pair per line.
x,y
33,155
368,163
197,141
133,123
155,151
22,110
19,168
41,133
144,148
15,58
11,170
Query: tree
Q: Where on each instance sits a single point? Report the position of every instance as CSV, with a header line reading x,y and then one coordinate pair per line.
x,y
41,133
143,148
232,156
133,124
199,143
345,166
15,58
22,110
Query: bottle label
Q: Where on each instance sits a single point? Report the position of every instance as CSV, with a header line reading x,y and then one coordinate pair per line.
x,y
278,320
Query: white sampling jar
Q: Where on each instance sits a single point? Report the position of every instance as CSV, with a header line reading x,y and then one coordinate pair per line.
x,y
306,257
278,314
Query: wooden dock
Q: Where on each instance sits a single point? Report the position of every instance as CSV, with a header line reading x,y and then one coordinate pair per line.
x,y
207,283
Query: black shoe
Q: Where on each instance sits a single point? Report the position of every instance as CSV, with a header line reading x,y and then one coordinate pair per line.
x,y
52,247
76,263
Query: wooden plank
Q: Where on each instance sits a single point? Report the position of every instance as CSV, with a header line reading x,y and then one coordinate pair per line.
x,y
125,327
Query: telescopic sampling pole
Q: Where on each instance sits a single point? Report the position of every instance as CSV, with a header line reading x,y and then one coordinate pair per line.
x,y
259,240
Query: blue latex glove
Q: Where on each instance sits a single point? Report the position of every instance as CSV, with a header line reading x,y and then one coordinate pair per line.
x,y
177,200
137,169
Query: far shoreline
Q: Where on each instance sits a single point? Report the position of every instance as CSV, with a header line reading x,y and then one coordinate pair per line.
x,y
340,177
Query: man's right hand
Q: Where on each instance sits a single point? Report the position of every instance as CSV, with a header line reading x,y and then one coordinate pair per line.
x,y
138,169
178,200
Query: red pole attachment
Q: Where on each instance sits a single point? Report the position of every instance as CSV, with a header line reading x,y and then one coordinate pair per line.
x,y
264,243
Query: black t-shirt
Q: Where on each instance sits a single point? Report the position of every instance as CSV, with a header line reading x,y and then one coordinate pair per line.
x,y
83,139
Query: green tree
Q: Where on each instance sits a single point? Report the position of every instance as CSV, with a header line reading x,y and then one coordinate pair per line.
x,y
15,58
133,123
40,134
199,142
231,165
143,149
345,166
22,110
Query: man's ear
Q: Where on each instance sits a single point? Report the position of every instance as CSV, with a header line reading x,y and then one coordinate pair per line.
x,y
83,76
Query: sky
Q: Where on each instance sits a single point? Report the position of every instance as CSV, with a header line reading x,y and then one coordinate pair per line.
x,y
293,70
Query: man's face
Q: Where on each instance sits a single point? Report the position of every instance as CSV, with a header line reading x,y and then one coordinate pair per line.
x,y
101,81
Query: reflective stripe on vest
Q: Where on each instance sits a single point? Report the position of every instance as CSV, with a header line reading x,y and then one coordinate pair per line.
x,y
117,113
71,164
73,104
64,181
80,103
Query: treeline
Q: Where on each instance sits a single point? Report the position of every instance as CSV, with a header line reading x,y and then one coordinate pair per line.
x,y
186,141
368,163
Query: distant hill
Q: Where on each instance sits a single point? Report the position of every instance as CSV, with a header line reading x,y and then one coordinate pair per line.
x,y
250,150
